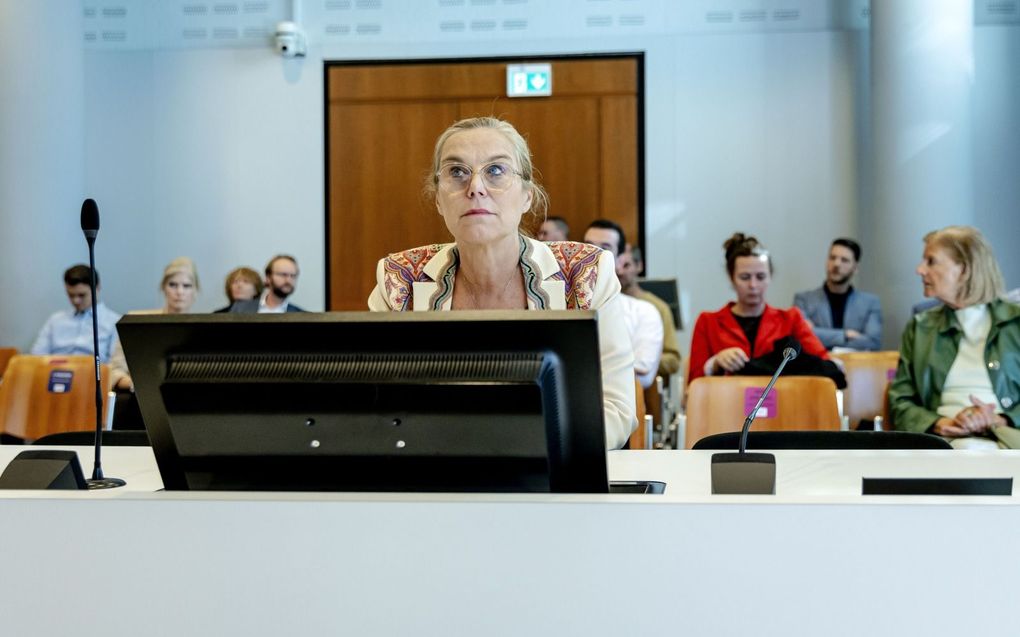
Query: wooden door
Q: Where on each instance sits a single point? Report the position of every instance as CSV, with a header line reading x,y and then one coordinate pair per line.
x,y
382,123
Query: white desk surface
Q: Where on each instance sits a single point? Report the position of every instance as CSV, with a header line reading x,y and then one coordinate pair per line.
x,y
815,559
801,477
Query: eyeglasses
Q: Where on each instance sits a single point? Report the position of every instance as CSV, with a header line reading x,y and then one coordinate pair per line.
x,y
498,176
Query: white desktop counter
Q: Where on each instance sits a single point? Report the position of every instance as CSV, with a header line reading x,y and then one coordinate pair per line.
x,y
815,559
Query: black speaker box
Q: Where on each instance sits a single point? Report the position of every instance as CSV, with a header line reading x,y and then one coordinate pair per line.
x,y
44,469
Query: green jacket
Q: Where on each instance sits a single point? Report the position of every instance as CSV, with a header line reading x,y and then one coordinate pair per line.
x,y
928,350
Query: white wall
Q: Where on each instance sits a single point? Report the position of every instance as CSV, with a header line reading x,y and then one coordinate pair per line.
x,y
235,168
217,153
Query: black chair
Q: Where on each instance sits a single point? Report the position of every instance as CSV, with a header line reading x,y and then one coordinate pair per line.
x,y
126,414
665,289
86,438
823,440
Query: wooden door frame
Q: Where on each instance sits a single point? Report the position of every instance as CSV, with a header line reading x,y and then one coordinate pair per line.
x,y
637,56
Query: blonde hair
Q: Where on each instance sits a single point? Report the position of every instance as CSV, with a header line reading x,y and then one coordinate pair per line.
x,y
521,157
981,280
180,265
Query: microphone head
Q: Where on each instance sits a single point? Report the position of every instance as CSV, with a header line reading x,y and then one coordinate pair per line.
x,y
90,218
792,352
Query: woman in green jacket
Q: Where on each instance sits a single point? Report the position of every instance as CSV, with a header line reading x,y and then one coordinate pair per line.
x,y
959,368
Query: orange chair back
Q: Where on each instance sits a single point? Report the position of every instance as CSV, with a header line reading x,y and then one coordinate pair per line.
x,y
867,382
42,395
637,439
6,353
716,404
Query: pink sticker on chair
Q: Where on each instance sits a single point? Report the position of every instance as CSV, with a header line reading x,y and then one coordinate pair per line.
x,y
890,374
768,409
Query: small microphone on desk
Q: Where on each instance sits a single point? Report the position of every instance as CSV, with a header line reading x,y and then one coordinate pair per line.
x,y
750,473
90,226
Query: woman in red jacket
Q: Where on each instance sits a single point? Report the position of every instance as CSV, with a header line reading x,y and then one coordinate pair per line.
x,y
726,340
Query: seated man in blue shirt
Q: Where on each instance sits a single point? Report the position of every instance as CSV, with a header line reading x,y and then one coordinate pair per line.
x,y
70,331
840,315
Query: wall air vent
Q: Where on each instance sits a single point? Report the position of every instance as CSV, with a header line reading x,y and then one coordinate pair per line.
x,y
338,5
114,36
114,12
598,21
194,34
632,21
194,9
719,17
224,33
754,15
225,8
483,25
338,29
368,29
515,25
452,26
368,4
786,15
1002,8
256,7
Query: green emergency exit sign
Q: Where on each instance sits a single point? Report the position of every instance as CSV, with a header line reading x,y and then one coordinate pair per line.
x,y
529,80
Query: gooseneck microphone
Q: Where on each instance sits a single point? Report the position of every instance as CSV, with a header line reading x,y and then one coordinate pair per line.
x,y
90,226
750,473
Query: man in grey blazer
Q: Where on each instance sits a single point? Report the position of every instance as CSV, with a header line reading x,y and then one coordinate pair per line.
x,y
281,279
840,315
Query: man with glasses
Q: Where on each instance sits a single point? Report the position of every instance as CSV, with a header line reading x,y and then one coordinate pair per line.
x,y
281,279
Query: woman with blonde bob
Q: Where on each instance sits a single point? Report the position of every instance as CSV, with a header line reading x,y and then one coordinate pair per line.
x,y
180,288
959,369
483,184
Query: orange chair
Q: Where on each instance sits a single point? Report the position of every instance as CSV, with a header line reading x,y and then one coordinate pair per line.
x,y
41,395
867,381
716,404
640,436
6,353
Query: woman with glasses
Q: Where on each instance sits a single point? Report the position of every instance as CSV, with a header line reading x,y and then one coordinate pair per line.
x,y
482,180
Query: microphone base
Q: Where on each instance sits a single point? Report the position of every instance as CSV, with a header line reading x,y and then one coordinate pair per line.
x,y
104,483
744,473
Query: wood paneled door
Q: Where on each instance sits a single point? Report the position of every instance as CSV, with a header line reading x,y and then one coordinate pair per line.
x,y
382,120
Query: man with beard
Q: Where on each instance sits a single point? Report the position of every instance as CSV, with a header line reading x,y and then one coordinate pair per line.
x,y
281,279
841,316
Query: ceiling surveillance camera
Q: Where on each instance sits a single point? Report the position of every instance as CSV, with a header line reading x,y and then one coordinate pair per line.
x,y
290,40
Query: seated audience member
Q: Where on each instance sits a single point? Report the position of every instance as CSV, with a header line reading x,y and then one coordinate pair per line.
x,y
959,369
644,325
281,281
70,331
746,336
840,315
180,288
483,183
629,266
242,284
554,229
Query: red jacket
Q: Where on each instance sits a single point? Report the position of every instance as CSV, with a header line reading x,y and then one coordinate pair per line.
x,y
716,331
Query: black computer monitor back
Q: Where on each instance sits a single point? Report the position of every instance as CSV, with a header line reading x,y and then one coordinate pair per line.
x,y
465,401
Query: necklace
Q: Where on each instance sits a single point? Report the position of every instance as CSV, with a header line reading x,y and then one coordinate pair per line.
x,y
471,284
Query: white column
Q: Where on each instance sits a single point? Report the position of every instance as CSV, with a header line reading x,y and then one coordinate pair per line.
x,y
922,70
41,160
